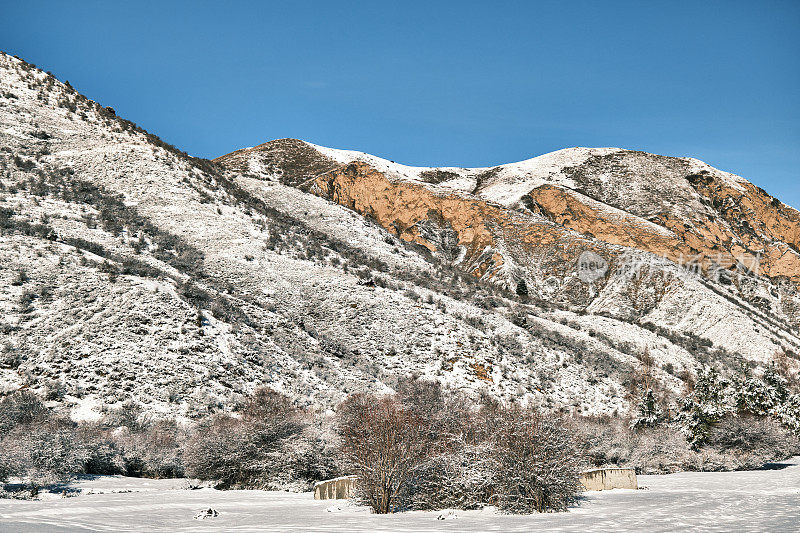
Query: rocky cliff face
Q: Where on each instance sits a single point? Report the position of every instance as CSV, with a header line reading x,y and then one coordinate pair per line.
x,y
652,222
675,207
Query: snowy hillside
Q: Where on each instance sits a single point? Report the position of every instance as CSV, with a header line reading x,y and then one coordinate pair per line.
x,y
643,214
132,272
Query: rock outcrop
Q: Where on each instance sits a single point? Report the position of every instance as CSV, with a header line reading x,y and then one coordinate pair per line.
x,y
532,220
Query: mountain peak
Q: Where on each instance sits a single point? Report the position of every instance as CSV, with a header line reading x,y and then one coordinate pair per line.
x,y
135,273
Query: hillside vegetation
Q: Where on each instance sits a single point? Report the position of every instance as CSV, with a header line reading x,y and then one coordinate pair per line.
x,y
133,272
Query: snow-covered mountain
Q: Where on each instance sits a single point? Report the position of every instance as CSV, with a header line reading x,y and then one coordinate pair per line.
x,y
649,218
133,272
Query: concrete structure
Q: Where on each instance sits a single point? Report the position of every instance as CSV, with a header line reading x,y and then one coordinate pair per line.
x,y
609,478
340,488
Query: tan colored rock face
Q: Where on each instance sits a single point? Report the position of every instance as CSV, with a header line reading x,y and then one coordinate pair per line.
x,y
535,219
761,223
704,238
401,206
481,228
577,213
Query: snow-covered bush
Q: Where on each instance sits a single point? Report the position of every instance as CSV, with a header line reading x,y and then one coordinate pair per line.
x,y
733,442
539,461
424,448
152,451
6,468
45,453
126,442
37,446
754,440
22,407
714,399
270,444
462,478
104,454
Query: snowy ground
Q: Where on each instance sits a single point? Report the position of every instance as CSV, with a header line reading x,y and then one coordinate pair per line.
x,y
765,500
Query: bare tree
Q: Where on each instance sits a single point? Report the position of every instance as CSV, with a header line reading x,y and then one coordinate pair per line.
x,y
254,450
383,444
423,448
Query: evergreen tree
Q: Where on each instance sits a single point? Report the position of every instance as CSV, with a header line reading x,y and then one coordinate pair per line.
x,y
777,387
760,396
704,407
649,412
788,413
749,395
522,288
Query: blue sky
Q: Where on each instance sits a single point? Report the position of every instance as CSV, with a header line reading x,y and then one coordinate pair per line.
x,y
440,83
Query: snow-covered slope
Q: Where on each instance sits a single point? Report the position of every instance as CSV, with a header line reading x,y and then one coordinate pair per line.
x,y
647,217
133,272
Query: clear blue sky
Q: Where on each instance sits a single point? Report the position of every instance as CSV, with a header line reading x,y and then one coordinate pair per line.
x,y
440,83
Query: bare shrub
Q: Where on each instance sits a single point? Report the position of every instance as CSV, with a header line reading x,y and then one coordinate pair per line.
x,y
268,445
104,455
443,413
538,460
383,444
152,451
752,441
22,407
465,477
425,448
42,453
734,443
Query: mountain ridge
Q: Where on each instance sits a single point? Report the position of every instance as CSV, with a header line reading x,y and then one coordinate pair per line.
x,y
375,185
545,185
135,273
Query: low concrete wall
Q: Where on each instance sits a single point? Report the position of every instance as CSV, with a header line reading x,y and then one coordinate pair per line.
x,y
340,488
609,478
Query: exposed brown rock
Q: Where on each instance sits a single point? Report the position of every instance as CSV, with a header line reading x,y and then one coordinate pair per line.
x,y
613,202
400,207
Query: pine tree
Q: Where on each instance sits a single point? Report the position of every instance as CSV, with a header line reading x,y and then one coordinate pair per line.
x,y
777,387
649,412
788,413
522,288
704,407
760,396
749,395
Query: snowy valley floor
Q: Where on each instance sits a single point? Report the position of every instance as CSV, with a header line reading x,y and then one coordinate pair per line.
x,y
764,500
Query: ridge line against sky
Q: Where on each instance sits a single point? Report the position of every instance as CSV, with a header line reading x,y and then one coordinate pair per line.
x,y
462,84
